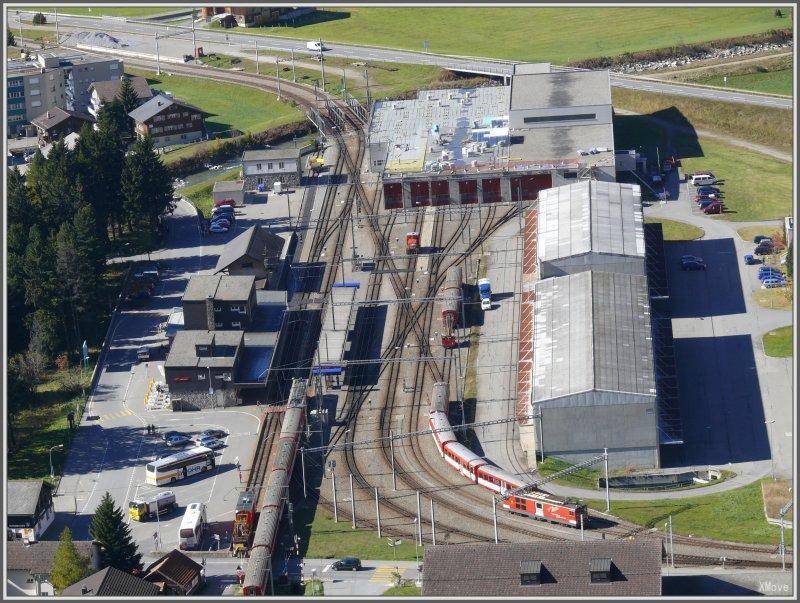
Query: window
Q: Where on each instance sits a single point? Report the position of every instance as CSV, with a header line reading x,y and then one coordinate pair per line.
x,y
549,118
219,325
36,103
35,92
201,376
33,81
239,309
280,165
195,116
217,308
113,66
236,325
15,95
258,166
600,570
269,166
530,573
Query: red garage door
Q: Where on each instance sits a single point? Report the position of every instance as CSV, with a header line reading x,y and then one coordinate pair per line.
x,y
420,194
491,190
392,195
468,191
440,192
527,187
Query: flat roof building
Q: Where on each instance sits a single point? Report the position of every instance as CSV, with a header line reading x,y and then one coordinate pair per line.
x,y
494,143
590,225
593,373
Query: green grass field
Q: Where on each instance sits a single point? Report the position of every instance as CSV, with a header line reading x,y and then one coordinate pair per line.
x,y
779,343
201,194
675,230
105,11
582,478
44,425
558,35
757,187
326,539
748,233
736,515
240,107
771,82
774,299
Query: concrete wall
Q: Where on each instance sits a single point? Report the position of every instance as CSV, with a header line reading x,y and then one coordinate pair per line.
x,y
593,261
578,427
237,196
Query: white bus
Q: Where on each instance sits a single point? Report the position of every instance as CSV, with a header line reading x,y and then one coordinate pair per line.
x,y
193,525
179,466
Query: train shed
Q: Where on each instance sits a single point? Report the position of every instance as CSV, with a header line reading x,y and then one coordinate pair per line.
x,y
593,380
590,225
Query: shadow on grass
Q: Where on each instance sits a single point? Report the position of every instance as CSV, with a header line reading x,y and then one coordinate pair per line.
x,y
657,135
316,17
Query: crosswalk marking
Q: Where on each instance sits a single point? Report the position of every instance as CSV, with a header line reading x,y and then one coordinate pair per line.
x,y
116,415
383,574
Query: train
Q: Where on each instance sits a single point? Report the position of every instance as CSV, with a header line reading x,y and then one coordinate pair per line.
x,y
412,242
535,504
256,577
244,518
451,295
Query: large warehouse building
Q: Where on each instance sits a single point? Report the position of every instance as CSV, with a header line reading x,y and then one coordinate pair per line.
x,y
586,356
496,143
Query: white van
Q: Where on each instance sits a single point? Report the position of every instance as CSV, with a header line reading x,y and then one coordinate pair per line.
x,y
193,526
316,46
703,179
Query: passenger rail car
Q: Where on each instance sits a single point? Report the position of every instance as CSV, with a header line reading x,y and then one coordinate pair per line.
x,y
535,504
451,295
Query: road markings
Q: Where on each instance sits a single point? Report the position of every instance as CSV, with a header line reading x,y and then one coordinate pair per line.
x,y
116,415
96,479
384,573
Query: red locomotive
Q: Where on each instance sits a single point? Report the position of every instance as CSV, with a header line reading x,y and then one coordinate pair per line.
x,y
412,242
451,306
536,504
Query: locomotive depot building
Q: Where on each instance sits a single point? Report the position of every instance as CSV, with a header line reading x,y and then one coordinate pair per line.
x,y
589,375
495,143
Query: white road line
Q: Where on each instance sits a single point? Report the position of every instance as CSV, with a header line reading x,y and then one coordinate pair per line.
x,y
97,479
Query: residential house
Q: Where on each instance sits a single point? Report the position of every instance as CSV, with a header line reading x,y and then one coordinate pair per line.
x,y
104,92
30,508
265,167
256,16
176,575
219,302
28,566
594,568
57,122
257,252
111,582
169,121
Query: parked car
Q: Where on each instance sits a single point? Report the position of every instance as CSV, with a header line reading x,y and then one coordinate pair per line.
x,y
773,283
223,214
348,563
223,202
764,248
171,434
702,179
177,441
216,228
758,239
212,443
212,433
316,45
705,190
750,259
691,258
713,208
143,353
770,273
223,222
693,265
705,203
707,197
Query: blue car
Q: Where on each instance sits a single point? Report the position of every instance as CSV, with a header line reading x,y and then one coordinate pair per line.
x,y
750,259
768,269
708,190
765,276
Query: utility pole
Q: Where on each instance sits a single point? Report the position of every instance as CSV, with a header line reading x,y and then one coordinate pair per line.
x,y
58,35
671,544
494,518
303,466
784,510
194,41
582,536
294,78
335,508
419,519
344,83
158,64
433,525
278,75
352,502
391,448
322,64
605,465
258,69
366,77
377,512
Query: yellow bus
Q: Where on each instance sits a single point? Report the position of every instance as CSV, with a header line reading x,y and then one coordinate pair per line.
x,y
179,466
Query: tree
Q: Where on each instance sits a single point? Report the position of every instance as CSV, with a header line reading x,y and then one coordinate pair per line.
x,y
54,191
73,272
146,184
117,548
10,41
129,99
41,290
39,19
112,115
69,566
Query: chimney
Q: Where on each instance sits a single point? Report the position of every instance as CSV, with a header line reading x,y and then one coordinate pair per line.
x,y
210,313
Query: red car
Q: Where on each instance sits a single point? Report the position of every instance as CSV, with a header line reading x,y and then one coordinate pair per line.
x,y
709,197
224,202
714,208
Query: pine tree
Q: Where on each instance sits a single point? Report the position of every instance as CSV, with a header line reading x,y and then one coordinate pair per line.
x,y
74,275
146,184
54,189
41,290
114,537
10,41
69,566
112,115
129,99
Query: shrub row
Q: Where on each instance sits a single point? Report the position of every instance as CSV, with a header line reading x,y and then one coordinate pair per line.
x,y
225,149
781,36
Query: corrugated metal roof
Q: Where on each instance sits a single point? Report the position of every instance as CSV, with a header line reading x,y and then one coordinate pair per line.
x,y
592,332
590,217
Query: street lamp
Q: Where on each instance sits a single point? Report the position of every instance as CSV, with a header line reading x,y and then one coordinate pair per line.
x,y
56,447
416,545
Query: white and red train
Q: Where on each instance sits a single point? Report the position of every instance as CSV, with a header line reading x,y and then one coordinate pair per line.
x,y
537,504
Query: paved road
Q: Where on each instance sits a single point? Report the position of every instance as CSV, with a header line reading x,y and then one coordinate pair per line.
x,y
362,53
